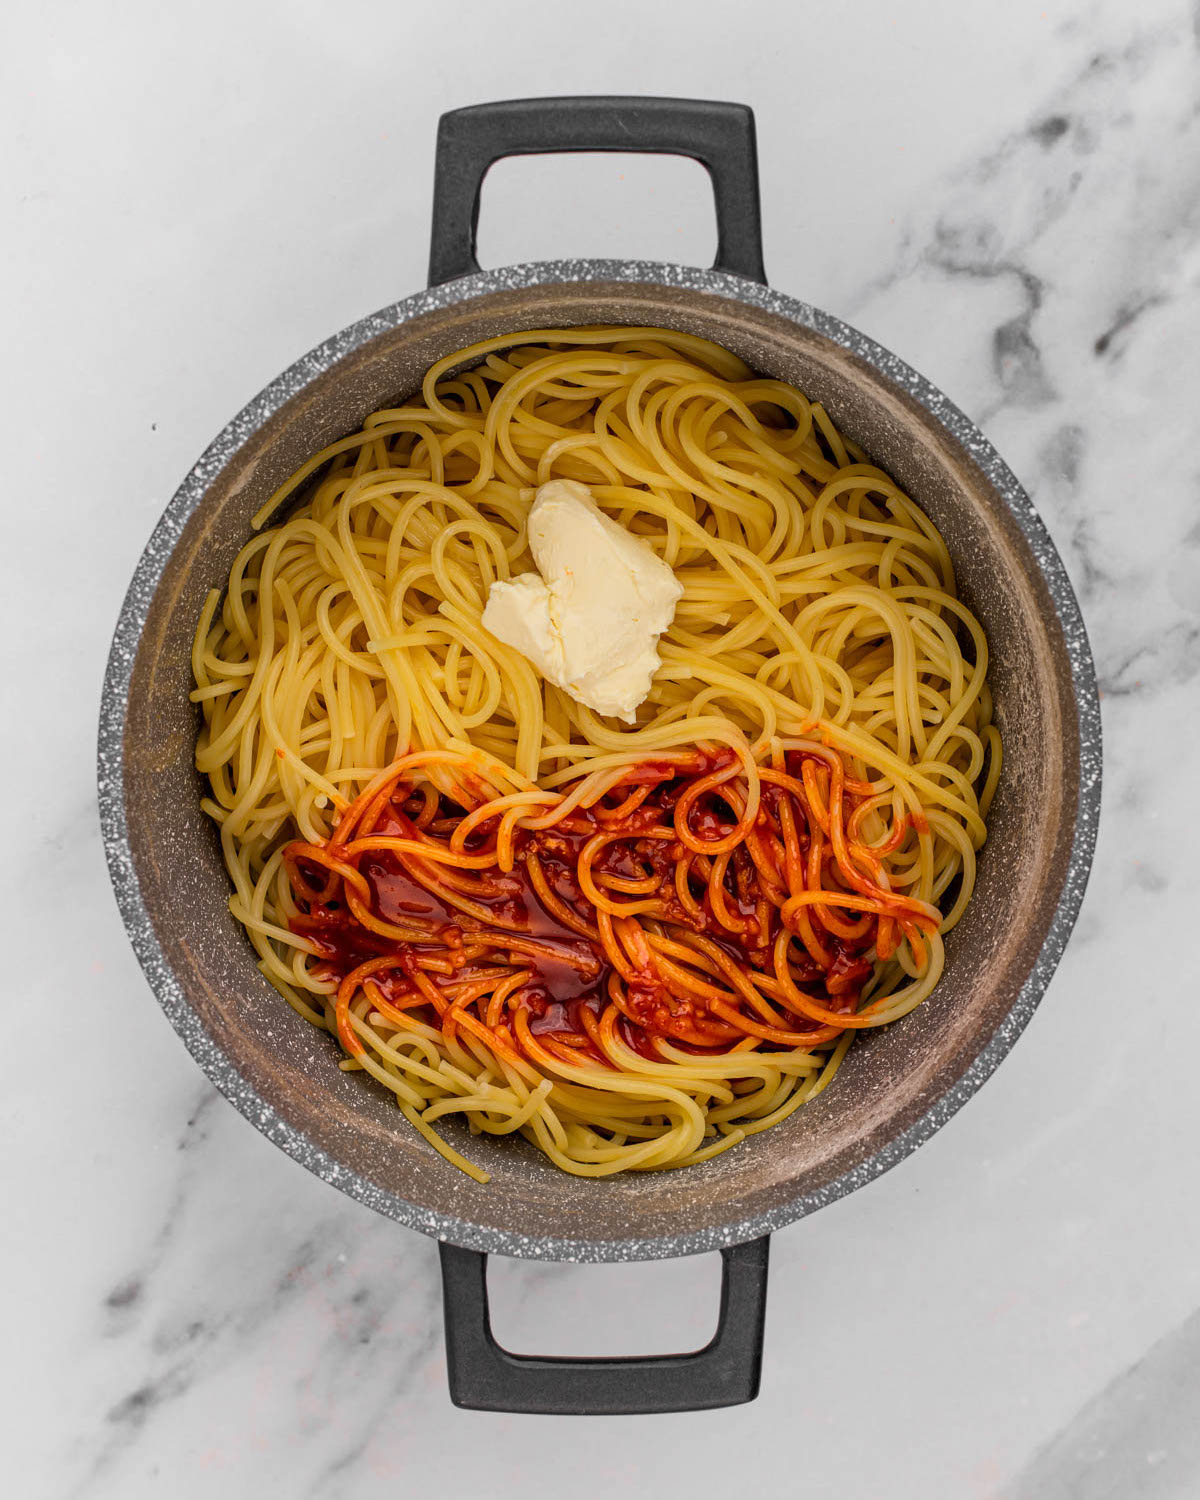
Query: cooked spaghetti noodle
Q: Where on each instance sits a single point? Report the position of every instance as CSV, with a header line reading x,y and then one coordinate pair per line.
x,y
634,946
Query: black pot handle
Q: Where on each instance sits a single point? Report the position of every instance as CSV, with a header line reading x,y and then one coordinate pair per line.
x,y
485,1377
719,136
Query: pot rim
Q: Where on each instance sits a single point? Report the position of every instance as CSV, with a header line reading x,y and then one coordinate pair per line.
x,y
131,622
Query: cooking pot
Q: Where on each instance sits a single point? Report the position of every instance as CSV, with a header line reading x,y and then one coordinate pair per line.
x,y
900,1083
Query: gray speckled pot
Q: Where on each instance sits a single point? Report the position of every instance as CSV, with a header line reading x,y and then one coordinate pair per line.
x,y
900,1084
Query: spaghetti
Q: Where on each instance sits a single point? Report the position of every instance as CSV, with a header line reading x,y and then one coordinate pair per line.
x,y
634,946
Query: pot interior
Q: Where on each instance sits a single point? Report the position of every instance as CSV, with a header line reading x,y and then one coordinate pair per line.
x,y
891,1077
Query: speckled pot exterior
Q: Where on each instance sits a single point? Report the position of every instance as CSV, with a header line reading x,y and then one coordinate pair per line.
x,y
899,1085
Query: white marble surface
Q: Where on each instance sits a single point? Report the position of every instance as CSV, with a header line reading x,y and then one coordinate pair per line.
x,y
1009,196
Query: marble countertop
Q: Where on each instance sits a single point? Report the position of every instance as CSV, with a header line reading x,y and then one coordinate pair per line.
x,y
1006,194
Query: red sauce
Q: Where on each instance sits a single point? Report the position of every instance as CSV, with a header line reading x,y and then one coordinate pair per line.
x,y
570,976
711,819
340,939
570,965
558,1015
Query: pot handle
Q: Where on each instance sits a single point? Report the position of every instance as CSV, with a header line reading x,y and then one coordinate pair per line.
x,y
718,135
485,1377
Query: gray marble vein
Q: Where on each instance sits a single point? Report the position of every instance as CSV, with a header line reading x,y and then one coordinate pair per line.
x,y
1138,1437
209,1289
